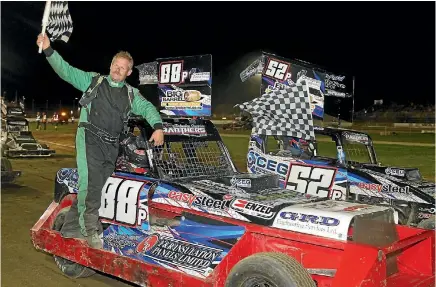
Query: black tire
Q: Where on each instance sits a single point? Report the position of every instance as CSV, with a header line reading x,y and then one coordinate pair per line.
x,y
69,268
428,223
271,269
6,165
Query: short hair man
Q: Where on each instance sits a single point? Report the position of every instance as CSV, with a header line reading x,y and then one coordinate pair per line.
x,y
106,104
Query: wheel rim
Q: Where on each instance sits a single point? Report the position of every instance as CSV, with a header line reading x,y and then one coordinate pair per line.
x,y
258,281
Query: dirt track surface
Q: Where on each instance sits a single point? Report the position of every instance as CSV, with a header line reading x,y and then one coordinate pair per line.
x,y
22,204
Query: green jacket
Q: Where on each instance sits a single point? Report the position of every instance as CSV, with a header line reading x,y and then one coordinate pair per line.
x,y
81,81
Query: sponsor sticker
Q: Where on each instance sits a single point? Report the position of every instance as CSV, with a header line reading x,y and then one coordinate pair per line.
x,y
240,182
178,252
199,77
185,130
395,171
201,201
355,137
253,208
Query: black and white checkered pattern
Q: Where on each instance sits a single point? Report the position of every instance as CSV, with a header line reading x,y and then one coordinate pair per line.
x,y
147,73
284,112
60,24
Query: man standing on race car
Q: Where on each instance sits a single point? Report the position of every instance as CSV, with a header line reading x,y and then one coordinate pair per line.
x,y
106,104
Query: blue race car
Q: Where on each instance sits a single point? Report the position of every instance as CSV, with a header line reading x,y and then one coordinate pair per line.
x,y
349,171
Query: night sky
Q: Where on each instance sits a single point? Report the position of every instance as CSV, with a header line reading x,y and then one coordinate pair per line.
x,y
389,47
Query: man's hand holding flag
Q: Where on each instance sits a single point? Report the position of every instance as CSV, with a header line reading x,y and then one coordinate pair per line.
x,y
57,22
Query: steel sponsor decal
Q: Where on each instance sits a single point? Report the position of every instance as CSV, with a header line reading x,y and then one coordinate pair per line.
x,y
228,202
178,252
201,201
386,188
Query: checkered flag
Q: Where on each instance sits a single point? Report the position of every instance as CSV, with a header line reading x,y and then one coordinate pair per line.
x,y
60,24
285,112
147,73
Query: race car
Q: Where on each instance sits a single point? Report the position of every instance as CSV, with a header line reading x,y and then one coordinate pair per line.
x,y
14,111
184,216
349,171
240,123
8,175
18,141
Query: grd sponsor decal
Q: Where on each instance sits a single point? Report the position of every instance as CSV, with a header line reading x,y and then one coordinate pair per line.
x,y
314,219
178,252
395,172
252,208
311,224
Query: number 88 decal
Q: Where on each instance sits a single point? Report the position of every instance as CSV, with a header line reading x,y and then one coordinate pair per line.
x,y
313,180
170,72
120,202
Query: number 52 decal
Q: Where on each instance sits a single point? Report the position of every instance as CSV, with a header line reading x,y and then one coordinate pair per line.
x,y
313,180
276,69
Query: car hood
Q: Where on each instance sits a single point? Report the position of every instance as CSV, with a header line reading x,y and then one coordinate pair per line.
x,y
232,197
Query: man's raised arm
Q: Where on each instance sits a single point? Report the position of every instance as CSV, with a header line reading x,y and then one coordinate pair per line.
x,y
76,77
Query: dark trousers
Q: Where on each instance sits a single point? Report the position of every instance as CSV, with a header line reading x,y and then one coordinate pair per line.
x,y
95,163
